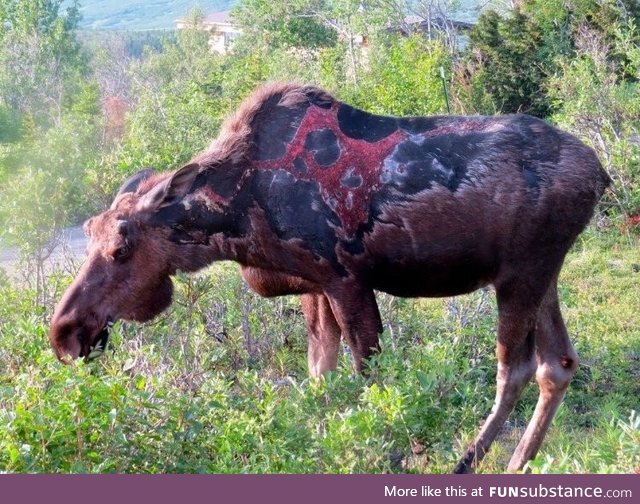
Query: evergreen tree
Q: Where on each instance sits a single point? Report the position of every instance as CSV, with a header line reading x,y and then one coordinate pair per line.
x,y
514,55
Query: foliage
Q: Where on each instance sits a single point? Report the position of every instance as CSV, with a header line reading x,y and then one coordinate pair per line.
x,y
173,116
305,26
182,95
511,56
10,128
512,60
402,78
39,57
200,390
280,24
46,189
600,102
45,102
614,441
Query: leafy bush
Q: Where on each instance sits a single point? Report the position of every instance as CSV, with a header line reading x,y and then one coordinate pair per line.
x,y
402,78
218,384
47,188
601,104
511,64
512,56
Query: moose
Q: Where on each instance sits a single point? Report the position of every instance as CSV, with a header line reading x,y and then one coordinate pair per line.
x,y
314,197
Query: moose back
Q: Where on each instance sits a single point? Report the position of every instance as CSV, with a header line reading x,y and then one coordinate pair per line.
x,y
314,197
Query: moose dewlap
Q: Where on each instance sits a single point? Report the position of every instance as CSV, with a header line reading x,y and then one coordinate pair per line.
x,y
314,197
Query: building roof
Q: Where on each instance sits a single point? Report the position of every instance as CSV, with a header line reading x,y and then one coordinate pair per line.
x,y
218,17
213,18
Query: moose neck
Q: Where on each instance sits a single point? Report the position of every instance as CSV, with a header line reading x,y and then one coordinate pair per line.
x,y
205,226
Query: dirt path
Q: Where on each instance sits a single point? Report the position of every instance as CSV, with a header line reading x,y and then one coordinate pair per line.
x,y
72,245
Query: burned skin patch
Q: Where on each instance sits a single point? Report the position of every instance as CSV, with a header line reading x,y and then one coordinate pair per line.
x,y
206,197
345,169
274,129
354,158
446,125
461,126
200,214
422,160
289,257
294,210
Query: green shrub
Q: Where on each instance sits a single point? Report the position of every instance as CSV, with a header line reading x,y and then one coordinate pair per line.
x,y
219,384
599,104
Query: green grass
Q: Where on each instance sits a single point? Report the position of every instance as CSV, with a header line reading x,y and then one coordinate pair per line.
x,y
218,384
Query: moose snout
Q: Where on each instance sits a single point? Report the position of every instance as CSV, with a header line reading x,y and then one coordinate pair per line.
x,y
72,336
66,340
78,318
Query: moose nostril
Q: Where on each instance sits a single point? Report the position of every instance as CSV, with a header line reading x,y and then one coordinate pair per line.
x,y
66,340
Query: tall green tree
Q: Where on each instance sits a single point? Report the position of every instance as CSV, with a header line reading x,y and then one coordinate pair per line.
x,y
344,25
283,24
50,113
402,77
40,58
514,55
176,102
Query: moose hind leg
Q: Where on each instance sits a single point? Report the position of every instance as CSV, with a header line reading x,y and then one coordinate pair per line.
x,y
557,362
516,365
323,334
357,314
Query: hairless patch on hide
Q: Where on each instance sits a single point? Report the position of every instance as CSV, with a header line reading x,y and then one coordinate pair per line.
x,y
329,155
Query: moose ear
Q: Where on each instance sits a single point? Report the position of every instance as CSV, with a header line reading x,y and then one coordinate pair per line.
x,y
132,183
170,190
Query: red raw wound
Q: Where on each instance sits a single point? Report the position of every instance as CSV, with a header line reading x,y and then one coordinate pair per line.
x,y
358,158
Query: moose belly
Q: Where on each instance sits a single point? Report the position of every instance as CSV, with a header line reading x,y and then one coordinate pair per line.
x,y
432,279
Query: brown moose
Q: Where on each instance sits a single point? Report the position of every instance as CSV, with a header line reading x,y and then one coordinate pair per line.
x,y
314,197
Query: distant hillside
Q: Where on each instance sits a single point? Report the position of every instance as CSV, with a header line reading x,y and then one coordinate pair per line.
x,y
141,14
162,14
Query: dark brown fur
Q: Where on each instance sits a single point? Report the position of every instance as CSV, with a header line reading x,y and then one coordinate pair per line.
x,y
315,198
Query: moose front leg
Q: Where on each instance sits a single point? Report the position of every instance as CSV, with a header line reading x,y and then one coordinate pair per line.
x,y
323,334
358,317
323,331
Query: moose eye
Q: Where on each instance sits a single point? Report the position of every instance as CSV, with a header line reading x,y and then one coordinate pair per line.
x,y
121,253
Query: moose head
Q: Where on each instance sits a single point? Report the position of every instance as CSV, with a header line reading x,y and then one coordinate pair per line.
x,y
130,259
